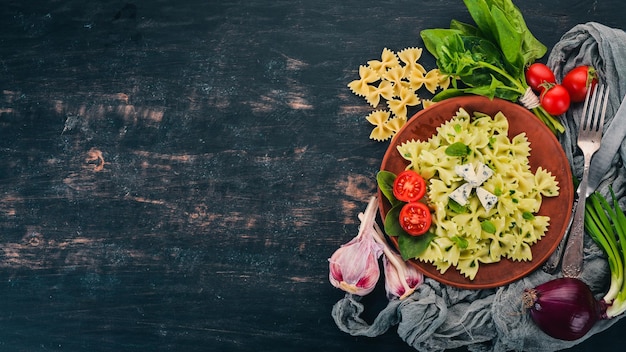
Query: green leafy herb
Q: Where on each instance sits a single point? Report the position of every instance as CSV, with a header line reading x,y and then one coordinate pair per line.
x,y
392,225
385,183
489,58
460,242
413,246
456,207
457,149
488,226
409,246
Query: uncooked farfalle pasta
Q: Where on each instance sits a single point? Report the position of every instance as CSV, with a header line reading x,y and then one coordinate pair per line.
x,y
385,125
395,79
499,218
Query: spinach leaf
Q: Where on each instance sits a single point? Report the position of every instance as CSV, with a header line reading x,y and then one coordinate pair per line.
x,y
449,93
392,224
465,28
412,246
474,60
480,11
531,49
503,23
385,181
488,59
434,38
510,41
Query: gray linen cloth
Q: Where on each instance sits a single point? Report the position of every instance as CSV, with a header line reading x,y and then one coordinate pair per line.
x,y
439,317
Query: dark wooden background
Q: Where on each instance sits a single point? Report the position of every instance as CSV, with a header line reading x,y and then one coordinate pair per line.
x,y
175,174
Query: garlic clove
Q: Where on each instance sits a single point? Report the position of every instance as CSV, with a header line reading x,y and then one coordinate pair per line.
x,y
354,266
401,278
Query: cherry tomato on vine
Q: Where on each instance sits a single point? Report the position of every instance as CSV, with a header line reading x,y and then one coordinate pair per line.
x,y
578,81
538,74
409,186
555,99
415,218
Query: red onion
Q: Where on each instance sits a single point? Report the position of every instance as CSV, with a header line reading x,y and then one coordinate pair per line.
x,y
563,308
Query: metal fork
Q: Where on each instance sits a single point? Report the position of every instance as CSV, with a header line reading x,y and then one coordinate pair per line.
x,y
589,138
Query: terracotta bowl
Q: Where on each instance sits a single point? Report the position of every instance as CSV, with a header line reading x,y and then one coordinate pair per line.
x,y
545,151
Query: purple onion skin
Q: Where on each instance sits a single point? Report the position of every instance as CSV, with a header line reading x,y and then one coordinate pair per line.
x,y
564,308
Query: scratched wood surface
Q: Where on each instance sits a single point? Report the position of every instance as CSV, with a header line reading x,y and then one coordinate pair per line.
x,y
175,174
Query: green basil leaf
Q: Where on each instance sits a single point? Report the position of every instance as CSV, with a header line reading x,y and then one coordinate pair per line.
x,y
460,241
456,207
412,246
457,149
488,226
528,215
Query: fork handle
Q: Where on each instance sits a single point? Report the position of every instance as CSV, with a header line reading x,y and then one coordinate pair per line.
x,y
555,258
573,257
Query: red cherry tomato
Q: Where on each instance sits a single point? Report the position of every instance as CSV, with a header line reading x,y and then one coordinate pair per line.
x,y
555,99
538,74
409,186
415,218
578,81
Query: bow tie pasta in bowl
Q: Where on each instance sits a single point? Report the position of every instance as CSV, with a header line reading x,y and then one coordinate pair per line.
x,y
499,189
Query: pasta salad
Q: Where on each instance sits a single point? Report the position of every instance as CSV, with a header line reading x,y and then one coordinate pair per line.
x,y
482,190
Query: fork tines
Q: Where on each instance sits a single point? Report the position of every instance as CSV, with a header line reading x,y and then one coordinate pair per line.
x,y
587,121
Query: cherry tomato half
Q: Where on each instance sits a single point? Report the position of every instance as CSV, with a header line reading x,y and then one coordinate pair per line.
x,y
538,74
578,81
555,99
409,186
415,218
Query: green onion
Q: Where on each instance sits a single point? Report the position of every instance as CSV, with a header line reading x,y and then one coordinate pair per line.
x,y
619,304
607,227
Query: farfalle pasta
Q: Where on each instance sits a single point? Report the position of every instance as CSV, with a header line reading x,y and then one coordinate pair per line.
x,y
384,90
395,79
388,60
384,125
406,98
431,80
470,235
362,86
410,57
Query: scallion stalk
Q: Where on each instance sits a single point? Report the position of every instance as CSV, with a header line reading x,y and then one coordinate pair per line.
x,y
607,227
619,221
598,225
